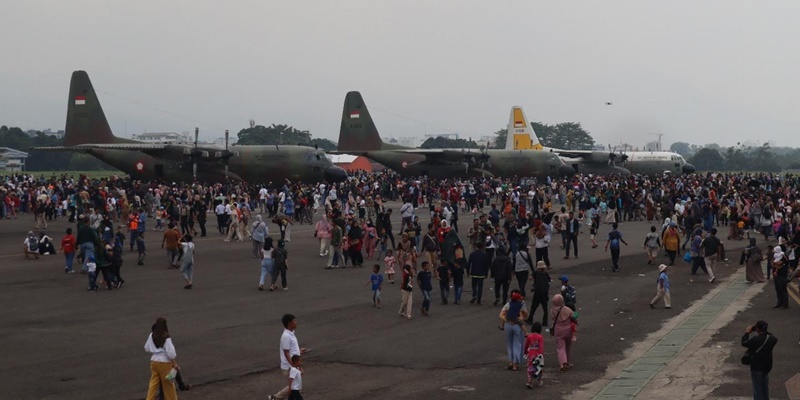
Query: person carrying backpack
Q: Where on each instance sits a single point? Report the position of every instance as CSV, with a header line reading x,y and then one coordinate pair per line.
x,y
568,292
31,246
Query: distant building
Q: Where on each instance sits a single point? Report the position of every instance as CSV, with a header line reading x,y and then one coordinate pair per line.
x,y
47,132
407,141
351,163
12,160
163,137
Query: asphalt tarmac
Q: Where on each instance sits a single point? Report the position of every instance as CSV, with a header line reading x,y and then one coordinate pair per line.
x,y
62,342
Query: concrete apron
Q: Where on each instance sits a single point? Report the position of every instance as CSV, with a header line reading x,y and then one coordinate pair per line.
x,y
674,362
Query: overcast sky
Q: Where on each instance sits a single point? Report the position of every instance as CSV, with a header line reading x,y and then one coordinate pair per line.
x,y
701,72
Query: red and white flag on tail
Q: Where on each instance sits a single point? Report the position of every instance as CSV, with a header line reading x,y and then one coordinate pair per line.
x,y
355,114
80,100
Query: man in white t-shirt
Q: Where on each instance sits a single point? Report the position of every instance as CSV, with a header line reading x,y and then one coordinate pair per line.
x,y
262,198
289,347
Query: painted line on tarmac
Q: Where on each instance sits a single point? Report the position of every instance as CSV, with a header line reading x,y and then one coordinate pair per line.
x,y
793,292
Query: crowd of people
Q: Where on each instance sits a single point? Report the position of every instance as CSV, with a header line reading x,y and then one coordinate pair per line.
x,y
514,223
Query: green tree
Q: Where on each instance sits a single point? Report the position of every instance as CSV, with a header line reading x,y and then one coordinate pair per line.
x,y
441,142
681,148
764,160
323,144
565,135
708,160
500,141
273,134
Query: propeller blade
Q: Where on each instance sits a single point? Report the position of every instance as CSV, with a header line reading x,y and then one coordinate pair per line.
x,y
226,139
194,170
196,134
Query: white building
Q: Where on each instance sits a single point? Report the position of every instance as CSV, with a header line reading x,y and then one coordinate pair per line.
x,y
163,137
12,160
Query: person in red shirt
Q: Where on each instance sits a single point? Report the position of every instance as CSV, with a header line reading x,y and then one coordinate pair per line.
x,y
68,245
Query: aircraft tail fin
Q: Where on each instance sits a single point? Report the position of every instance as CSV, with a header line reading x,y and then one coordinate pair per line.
x,y
357,132
520,132
86,122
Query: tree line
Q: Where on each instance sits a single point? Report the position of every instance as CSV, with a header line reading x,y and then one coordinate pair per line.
x,y
17,139
565,135
764,158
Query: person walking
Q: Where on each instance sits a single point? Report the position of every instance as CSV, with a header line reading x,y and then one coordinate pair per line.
x,y
289,347
259,234
652,243
281,257
68,245
780,275
478,268
671,241
267,263
187,261
710,248
562,324
662,288
572,228
322,231
752,258
335,251
542,244
405,290
614,239
170,242
501,272
759,357
512,316
162,361
523,265
541,292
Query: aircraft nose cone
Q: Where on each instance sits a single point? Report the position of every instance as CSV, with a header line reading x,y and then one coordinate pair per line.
x,y
688,168
335,174
566,170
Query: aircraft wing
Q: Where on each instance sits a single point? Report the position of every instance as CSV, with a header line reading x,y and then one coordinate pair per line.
x,y
447,155
576,153
105,146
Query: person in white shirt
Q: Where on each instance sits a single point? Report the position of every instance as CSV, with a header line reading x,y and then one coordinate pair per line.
x,y
187,263
162,361
262,198
296,378
289,348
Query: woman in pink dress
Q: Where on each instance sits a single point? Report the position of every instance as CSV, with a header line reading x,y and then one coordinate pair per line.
x,y
562,323
322,231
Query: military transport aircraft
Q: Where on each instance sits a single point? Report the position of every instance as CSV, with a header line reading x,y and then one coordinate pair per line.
x,y
521,136
359,136
88,131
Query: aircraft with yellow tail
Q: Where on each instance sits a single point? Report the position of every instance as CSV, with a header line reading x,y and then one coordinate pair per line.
x,y
522,137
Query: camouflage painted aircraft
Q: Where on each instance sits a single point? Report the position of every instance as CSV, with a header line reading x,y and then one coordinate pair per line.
x,y
87,131
359,136
522,137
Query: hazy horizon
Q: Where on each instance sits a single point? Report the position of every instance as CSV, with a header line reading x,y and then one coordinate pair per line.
x,y
698,72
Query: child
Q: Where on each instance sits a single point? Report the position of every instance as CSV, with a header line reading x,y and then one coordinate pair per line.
x,y
534,352
568,292
405,289
159,218
377,282
651,244
425,286
296,378
68,245
91,270
457,274
390,262
443,276
512,311
382,241
140,248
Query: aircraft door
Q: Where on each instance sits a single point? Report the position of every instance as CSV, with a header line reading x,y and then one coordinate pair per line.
x,y
576,168
159,171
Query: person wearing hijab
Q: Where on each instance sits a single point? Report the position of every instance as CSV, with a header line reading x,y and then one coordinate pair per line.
x,y
780,273
671,239
751,258
259,234
322,231
562,330
162,361
267,263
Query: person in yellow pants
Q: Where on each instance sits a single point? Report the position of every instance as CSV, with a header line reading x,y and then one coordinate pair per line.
x,y
162,361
